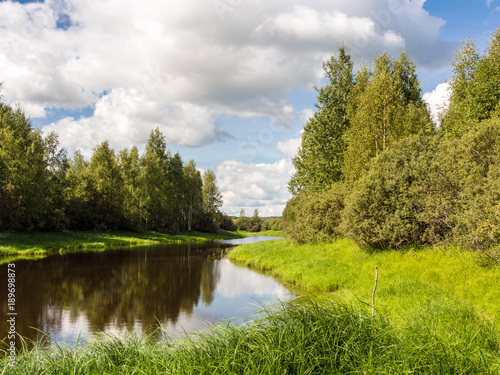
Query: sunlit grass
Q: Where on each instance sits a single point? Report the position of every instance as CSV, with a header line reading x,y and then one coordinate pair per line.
x,y
436,313
302,337
407,279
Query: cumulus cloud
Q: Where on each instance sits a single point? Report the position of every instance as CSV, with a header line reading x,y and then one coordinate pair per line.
x,y
191,58
254,186
289,147
126,117
437,100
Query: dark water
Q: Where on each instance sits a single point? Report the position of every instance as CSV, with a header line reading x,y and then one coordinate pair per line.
x,y
181,287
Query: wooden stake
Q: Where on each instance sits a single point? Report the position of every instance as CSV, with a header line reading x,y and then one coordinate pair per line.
x,y
373,293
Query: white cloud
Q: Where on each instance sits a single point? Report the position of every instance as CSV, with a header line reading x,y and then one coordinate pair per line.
x,y
289,147
437,100
254,186
126,117
183,59
33,110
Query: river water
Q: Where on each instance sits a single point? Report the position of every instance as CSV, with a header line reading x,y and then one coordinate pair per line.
x,y
182,288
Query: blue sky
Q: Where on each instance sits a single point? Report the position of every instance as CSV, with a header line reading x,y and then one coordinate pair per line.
x,y
230,83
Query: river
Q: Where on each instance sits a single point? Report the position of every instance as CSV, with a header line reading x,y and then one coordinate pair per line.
x,y
182,288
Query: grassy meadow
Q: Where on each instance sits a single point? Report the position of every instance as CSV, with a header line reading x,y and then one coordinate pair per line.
x,y
409,281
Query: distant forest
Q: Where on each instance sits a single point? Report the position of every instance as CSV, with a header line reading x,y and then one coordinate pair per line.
x,y
42,189
372,166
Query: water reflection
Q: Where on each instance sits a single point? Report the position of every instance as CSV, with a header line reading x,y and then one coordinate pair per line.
x,y
179,286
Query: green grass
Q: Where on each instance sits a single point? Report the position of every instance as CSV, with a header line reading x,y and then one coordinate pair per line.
x,y
304,337
408,281
436,311
42,243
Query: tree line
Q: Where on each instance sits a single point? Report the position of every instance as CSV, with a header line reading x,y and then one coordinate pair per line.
x,y
373,167
256,223
41,188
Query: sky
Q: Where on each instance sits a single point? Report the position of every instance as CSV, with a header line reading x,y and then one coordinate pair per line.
x,y
230,83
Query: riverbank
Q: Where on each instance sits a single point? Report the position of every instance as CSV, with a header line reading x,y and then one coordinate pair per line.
x,y
409,282
434,314
44,243
304,337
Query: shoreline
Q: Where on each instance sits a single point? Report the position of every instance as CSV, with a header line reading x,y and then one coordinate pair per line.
x,y
418,326
408,280
39,244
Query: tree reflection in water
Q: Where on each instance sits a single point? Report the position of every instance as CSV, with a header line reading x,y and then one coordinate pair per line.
x,y
118,290
179,287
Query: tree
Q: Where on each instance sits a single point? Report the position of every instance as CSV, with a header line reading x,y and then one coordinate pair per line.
x,y
175,194
76,197
475,88
154,175
320,158
130,168
255,222
193,198
486,82
460,111
388,108
212,198
241,221
25,180
57,166
406,197
315,216
105,188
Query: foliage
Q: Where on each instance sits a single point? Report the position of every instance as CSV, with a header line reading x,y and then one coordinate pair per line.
x,y
212,200
387,206
479,224
30,172
319,160
105,188
256,223
388,108
40,189
405,183
475,92
430,190
315,216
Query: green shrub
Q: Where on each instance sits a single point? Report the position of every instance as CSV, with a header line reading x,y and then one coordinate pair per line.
x,y
409,196
315,216
479,224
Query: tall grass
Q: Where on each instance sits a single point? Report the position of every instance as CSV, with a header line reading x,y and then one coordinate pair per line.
x,y
434,316
408,280
303,337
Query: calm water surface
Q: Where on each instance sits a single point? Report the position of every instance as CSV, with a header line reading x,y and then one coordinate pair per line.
x,y
183,287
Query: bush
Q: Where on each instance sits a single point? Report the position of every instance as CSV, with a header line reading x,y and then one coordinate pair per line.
x,y
479,225
409,196
225,222
315,216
